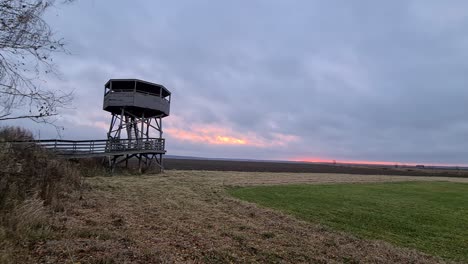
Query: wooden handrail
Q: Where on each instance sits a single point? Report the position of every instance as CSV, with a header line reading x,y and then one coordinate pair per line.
x,y
109,146
133,91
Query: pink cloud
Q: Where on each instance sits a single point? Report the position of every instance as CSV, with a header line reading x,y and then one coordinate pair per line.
x,y
178,129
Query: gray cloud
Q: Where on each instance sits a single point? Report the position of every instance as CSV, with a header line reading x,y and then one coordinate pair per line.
x,y
359,80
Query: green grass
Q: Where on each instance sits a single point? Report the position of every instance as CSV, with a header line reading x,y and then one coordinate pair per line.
x,y
429,216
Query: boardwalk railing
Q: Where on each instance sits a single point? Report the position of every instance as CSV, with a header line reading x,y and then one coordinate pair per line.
x,y
97,147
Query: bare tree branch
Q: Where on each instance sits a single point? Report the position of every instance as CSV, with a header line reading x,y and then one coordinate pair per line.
x,y
22,117
27,46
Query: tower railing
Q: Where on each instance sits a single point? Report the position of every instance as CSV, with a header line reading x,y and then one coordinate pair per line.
x,y
135,91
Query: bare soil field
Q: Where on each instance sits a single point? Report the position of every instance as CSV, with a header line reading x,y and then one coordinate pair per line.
x,y
188,217
260,166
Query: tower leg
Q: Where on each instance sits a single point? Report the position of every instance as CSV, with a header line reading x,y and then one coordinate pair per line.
x,y
129,135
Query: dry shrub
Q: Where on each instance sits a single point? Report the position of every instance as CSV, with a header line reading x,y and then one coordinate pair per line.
x,y
29,220
30,178
15,134
6,253
90,167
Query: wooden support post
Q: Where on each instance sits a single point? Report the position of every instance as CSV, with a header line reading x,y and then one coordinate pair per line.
x,y
141,132
114,159
139,164
121,120
161,162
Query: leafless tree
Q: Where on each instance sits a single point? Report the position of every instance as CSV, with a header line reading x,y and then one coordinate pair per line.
x,y
27,46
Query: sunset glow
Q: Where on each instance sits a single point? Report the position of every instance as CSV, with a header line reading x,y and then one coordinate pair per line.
x,y
219,135
177,129
370,162
230,140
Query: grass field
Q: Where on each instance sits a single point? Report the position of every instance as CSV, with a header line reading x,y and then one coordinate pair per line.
x,y
429,216
189,217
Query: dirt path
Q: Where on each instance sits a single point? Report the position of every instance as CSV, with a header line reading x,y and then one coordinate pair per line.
x,y
186,216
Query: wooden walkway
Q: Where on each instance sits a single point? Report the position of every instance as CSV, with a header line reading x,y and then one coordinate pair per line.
x,y
97,148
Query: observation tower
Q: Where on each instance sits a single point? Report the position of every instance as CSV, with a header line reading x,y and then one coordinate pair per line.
x,y
135,130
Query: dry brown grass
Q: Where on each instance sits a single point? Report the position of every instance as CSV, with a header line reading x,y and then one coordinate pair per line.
x,y
27,172
186,216
246,178
32,184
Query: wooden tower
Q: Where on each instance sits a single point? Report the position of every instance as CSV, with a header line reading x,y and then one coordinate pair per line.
x,y
135,130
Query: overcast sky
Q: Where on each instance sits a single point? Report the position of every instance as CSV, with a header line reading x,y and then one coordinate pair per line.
x,y
296,80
